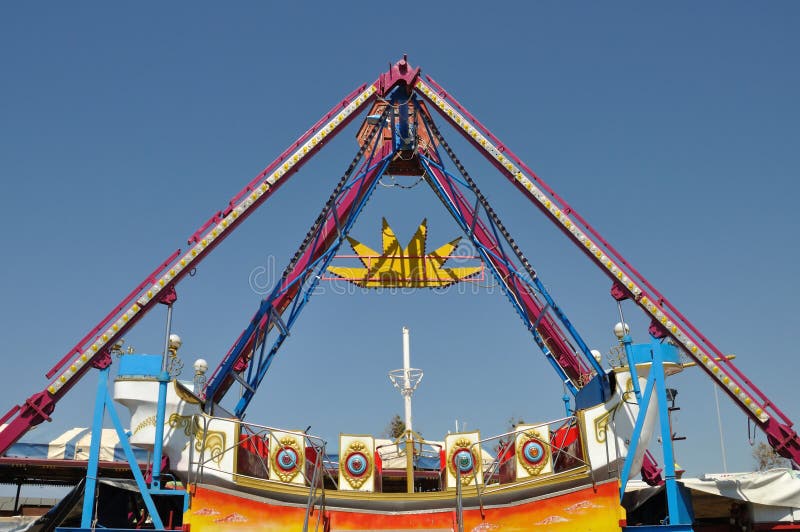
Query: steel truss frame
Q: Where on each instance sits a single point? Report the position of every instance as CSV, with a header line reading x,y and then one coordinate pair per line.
x,y
627,282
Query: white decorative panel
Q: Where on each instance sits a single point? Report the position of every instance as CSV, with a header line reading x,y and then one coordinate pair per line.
x,y
463,455
356,463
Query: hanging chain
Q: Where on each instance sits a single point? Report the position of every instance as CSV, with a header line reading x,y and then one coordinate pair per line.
x,y
331,203
481,198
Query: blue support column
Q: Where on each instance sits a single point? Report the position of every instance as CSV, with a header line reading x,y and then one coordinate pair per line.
x,y
626,342
163,379
147,494
679,516
158,445
103,402
90,486
677,506
566,398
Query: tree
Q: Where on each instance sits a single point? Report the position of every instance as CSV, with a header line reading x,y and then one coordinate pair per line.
x,y
513,422
395,428
766,458
511,425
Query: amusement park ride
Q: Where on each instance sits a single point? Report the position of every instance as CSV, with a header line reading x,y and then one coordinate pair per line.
x,y
579,464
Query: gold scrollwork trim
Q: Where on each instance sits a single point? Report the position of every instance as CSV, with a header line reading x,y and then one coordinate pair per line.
x,y
146,422
356,481
185,394
628,394
601,426
212,441
179,422
601,422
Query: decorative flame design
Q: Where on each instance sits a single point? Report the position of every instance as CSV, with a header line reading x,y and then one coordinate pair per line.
x,y
409,267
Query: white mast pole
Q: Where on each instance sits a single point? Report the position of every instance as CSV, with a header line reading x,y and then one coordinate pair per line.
x,y
406,379
407,389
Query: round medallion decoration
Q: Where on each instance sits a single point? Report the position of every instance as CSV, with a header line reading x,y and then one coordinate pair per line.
x,y
532,452
287,460
356,464
462,461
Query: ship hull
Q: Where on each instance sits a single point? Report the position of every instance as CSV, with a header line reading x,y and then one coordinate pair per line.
x,y
585,507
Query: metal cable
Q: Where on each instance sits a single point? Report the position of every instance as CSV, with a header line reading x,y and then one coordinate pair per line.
x,y
323,215
489,212
481,198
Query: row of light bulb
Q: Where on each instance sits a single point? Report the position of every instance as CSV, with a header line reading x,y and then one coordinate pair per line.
x,y
440,100
186,260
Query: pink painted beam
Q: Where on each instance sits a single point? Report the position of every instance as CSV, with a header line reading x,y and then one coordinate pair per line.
x,y
39,406
292,283
548,329
779,433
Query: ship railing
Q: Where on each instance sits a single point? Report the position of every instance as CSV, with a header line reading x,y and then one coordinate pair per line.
x,y
562,459
422,450
426,457
251,447
561,436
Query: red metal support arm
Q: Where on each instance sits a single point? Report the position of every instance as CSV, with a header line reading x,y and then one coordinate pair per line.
x,y
627,281
291,284
551,334
97,343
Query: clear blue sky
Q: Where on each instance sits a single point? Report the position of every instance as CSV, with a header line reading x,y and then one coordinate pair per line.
x,y
672,128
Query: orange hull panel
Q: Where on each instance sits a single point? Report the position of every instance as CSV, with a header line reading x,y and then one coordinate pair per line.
x,y
595,509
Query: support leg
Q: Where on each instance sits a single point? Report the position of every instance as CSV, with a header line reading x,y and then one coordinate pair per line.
x,y
94,450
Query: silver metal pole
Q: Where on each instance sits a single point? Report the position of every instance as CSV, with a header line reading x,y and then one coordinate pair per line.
x,y
719,426
166,339
407,391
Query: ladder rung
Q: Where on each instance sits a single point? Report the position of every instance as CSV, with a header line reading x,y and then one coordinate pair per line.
x,y
243,382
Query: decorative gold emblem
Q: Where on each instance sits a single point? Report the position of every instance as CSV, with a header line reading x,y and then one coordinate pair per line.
x,y
212,441
287,460
466,473
184,394
601,426
146,422
601,422
409,267
179,422
533,453
356,464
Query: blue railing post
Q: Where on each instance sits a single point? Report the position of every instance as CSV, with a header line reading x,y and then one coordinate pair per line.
x,y
163,379
677,507
94,450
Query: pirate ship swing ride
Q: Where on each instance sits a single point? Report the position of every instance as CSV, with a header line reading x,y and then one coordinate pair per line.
x,y
565,474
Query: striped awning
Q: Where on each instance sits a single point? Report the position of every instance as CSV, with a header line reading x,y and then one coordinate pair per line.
x,y
72,444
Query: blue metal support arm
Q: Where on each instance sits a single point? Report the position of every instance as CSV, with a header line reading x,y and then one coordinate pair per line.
x,y
679,517
302,299
253,328
535,281
486,257
220,379
637,431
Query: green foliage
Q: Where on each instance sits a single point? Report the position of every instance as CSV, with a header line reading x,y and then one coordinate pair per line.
x,y
766,458
511,424
395,428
